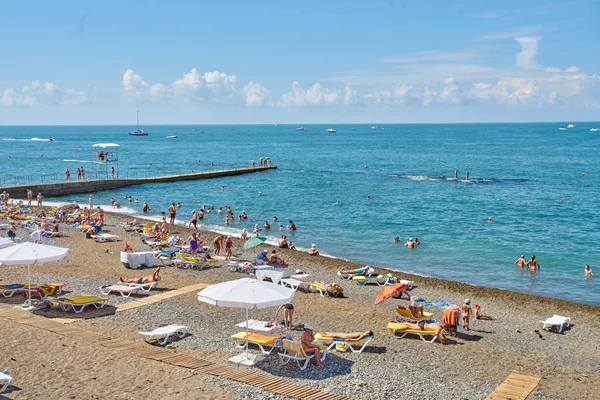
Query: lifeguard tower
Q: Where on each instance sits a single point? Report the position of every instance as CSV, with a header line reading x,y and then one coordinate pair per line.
x,y
107,154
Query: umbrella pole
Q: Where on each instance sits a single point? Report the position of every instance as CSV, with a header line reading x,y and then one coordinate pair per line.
x,y
29,285
246,333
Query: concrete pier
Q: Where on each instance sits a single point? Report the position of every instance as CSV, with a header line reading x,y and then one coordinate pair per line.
x,y
89,186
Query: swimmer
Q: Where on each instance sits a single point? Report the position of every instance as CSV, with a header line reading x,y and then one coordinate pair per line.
x,y
260,193
521,262
178,204
397,239
266,226
410,244
533,264
222,187
366,166
274,217
490,220
137,200
456,174
588,272
281,228
368,197
467,175
336,203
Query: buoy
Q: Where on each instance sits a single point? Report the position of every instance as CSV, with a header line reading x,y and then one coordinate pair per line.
x,y
583,174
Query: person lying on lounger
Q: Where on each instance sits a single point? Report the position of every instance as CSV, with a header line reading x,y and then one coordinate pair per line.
x,y
358,271
146,279
347,336
424,326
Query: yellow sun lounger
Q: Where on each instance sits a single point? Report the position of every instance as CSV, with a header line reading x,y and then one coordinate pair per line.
x,y
406,315
80,302
380,280
348,342
327,289
265,343
293,351
392,326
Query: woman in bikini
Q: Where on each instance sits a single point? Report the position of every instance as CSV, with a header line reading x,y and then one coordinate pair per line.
x,y
424,326
146,279
347,336
228,245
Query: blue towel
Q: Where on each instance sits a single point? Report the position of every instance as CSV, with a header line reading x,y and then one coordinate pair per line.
x,y
438,304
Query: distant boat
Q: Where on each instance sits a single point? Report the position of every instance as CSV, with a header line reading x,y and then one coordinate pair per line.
x,y
562,128
138,131
373,126
300,129
595,130
570,126
331,130
172,136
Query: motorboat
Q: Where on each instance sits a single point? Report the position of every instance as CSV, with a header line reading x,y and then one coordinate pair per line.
x,y
570,126
331,130
373,126
562,128
172,136
595,130
300,129
138,131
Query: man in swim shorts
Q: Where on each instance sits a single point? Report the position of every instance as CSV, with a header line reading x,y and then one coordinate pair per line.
x,y
217,244
172,213
521,262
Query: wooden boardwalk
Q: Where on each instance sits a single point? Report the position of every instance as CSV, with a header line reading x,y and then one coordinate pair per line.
x,y
251,377
517,386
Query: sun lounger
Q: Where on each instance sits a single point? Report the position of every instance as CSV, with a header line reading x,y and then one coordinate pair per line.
x,y
293,351
52,234
265,343
364,271
392,326
409,284
556,321
161,335
291,283
405,314
80,302
126,289
362,343
105,237
5,380
380,280
44,290
9,290
274,276
326,289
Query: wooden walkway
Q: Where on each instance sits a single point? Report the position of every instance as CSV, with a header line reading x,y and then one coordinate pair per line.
x,y
255,378
517,386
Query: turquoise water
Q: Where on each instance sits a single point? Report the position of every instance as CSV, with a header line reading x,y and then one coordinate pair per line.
x,y
518,172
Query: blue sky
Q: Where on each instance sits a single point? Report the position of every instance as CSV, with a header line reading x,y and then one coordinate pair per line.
x,y
299,62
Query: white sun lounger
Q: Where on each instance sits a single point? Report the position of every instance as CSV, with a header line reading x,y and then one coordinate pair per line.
x,y
105,237
291,283
9,290
162,334
556,321
51,234
293,351
5,380
361,344
126,289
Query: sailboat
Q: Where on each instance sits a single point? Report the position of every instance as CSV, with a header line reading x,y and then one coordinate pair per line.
x,y
138,131
373,126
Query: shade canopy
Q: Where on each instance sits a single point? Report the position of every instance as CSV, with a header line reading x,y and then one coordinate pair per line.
x,y
31,253
246,293
4,243
253,242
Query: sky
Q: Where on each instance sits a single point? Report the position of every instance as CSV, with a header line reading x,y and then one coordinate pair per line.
x,y
334,61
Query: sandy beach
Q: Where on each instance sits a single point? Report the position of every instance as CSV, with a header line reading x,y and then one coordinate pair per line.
x,y
469,366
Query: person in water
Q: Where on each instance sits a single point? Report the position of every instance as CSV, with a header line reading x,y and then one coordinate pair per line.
x,y
146,279
467,175
409,243
397,239
521,262
533,264
313,250
588,272
456,174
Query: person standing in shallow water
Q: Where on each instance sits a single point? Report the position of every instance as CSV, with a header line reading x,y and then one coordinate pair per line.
x,y
533,264
467,175
456,174
521,262
172,213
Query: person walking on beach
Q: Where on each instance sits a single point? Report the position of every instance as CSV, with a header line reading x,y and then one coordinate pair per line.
x,y
193,221
217,244
456,174
163,225
68,174
29,197
521,262
100,216
172,213
466,314
533,264
228,245
40,198
467,175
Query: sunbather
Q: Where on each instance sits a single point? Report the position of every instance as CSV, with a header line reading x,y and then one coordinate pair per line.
x,y
424,326
308,346
477,314
415,309
347,336
357,271
146,279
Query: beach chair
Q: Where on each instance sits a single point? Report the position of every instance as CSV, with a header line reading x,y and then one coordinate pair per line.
x,y
127,289
8,290
293,351
422,334
274,276
380,280
161,335
265,343
79,303
105,237
45,290
404,314
291,283
557,322
327,289
5,380
361,344
409,284
51,234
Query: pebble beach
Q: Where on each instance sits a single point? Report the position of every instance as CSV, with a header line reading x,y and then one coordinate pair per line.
x,y
469,366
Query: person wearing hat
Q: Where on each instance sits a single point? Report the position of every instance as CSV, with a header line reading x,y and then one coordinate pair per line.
x,y
410,244
307,344
466,313
313,250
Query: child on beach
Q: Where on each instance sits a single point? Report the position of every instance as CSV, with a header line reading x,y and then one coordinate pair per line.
x,y
477,315
466,314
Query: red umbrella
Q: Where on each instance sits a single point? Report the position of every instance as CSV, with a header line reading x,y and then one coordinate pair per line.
x,y
388,291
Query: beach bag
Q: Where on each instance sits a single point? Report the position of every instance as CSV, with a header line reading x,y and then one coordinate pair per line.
x,y
341,347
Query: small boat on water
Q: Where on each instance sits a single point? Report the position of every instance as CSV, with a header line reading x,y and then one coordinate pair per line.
x,y
570,126
300,129
172,136
562,128
331,130
138,131
373,126
595,130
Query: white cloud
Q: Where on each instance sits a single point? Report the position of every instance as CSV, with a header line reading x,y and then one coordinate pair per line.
x,y
350,96
529,47
553,69
572,68
44,93
512,33
257,94
317,94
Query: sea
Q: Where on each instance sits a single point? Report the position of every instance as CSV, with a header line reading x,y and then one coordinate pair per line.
x,y
353,191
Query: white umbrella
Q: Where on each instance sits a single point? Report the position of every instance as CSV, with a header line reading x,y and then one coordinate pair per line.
x,y
246,293
5,243
31,253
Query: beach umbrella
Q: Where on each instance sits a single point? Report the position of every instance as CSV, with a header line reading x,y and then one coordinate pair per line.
x,y
388,291
246,293
4,243
29,254
253,242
